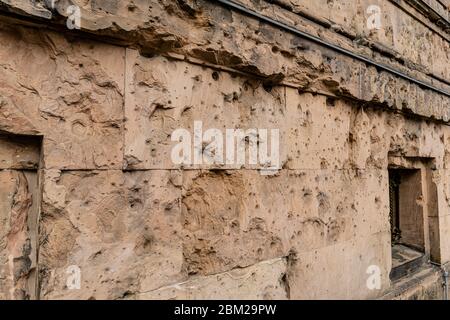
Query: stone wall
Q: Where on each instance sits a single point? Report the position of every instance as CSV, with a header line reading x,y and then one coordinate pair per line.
x,y
105,100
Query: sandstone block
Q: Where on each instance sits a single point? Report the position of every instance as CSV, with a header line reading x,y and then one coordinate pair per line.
x,y
262,281
124,234
71,92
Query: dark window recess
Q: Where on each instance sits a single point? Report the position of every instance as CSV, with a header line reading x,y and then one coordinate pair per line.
x,y
407,221
394,209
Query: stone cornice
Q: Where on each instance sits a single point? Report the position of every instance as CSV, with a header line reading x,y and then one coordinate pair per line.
x,y
434,10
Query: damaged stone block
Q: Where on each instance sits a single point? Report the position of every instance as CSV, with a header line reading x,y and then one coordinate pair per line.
x,y
238,218
318,131
19,152
17,245
71,92
124,235
262,281
163,96
342,270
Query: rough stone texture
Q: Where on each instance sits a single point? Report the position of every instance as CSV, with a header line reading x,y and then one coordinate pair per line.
x,y
69,91
263,281
426,285
125,235
400,34
112,202
29,7
202,29
15,239
341,269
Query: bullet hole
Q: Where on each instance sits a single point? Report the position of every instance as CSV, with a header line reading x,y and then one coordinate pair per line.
x,y
267,87
331,102
275,49
328,58
148,54
215,75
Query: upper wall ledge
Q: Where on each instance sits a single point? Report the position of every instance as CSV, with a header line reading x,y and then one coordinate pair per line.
x,y
213,34
437,11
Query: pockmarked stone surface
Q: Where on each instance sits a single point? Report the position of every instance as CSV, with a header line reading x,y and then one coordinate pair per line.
x,y
93,204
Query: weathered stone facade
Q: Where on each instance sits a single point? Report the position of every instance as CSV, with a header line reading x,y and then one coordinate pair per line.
x,y
87,179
